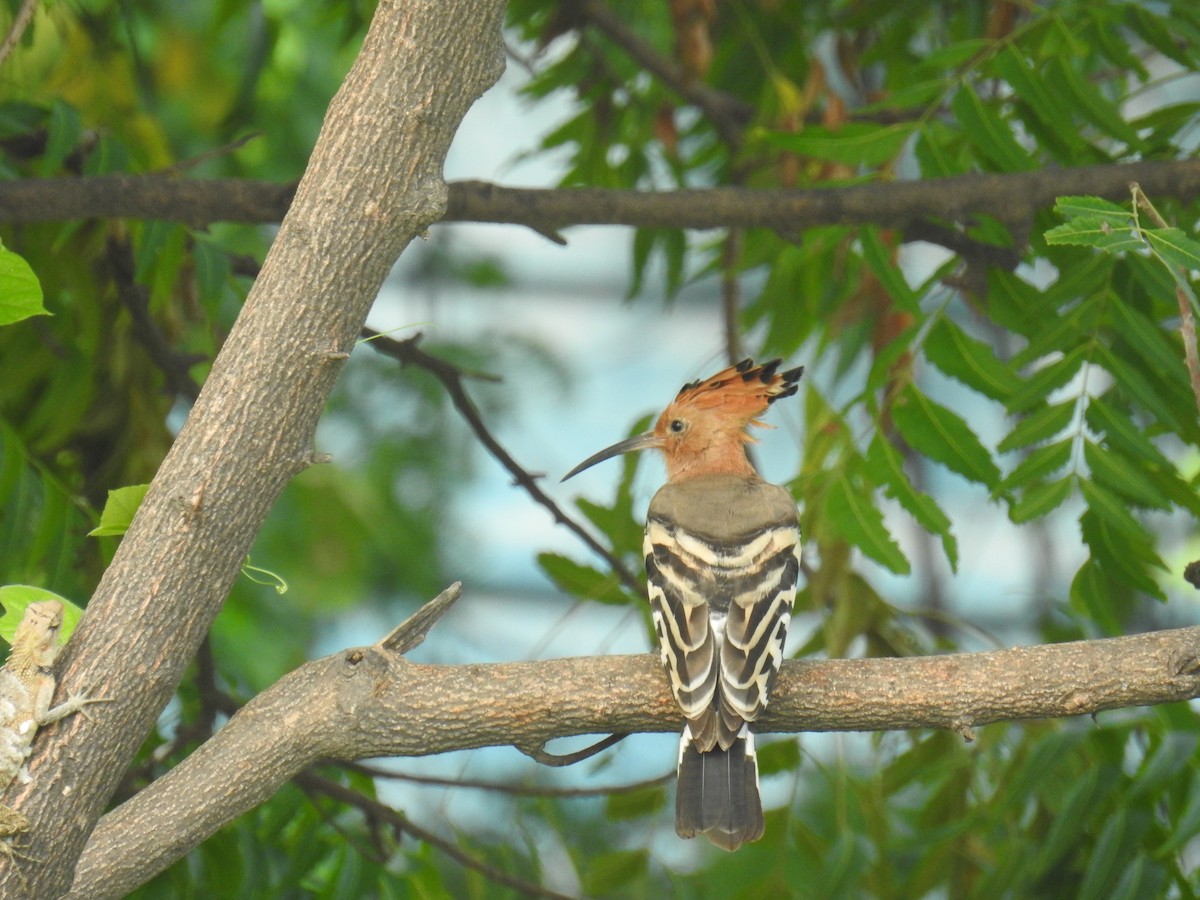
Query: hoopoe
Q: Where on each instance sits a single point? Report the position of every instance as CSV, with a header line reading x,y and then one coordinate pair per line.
x,y
722,552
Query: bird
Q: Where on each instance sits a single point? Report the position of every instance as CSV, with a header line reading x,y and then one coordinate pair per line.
x,y
722,554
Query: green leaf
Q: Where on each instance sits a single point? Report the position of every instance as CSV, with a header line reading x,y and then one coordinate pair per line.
x,y
638,804
583,581
1105,861
1066,332
1040,425
15,599
1139,388
940,152
644,242
606,872
1040,108
1071,207
1081,800
879,258
62,136
909,96
1040,463
1187,824
781,755
1094,232
119,510
1091,104
854,515
1139,877
992,136
1104,418
617,522
1164,763
1040,500
943,436
1091,595
1048,379
1147,338
1120,475
1032,770
1175,247
1014,303
1154,31
970,361
1112,509
854,143
957,53
213,270
1123,553
20,291
887,469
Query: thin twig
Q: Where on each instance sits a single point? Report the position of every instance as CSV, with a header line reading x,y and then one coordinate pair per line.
x,y
16,32
729,115
731,294
186,165
526,790
175,366
557,760
450,376
310,781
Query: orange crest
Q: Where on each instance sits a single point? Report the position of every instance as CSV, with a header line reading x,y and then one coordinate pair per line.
x,y
738,394
703,430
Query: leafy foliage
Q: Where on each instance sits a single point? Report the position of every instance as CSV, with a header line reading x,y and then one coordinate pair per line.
x,y
1033,365
1074,346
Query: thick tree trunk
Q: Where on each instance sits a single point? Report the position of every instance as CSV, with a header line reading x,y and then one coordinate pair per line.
x,y
373,183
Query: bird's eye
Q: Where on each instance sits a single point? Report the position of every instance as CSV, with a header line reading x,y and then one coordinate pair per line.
x,y
678,426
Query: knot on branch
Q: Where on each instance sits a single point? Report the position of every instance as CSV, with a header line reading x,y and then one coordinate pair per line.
x,y
1185,664
964,728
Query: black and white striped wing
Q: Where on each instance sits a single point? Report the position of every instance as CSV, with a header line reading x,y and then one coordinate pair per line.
x,y
721,610
761,583
679,587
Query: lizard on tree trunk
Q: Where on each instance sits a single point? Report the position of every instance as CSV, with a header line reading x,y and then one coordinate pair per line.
x,y
26,689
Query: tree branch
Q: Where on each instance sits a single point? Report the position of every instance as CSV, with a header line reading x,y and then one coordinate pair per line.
x,y
17,30
407,352
175,366
370,702
1012,198
196,202
374,182
521,790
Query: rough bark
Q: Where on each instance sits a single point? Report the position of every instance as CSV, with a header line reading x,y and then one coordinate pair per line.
x,y
373,183
369,701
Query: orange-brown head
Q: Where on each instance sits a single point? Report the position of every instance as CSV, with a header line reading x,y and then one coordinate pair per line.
x,y
703,431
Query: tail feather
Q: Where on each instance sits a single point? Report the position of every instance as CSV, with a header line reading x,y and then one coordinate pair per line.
x,y
717,794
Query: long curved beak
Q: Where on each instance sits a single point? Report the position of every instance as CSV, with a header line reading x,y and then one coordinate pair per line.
x,y
644,441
